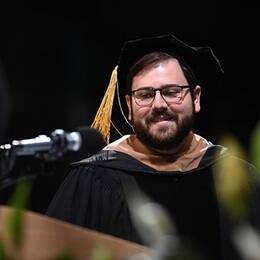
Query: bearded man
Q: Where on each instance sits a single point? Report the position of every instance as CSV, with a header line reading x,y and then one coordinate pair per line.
x,y
163,162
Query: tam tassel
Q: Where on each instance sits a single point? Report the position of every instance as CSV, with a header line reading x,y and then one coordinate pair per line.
x,y
102,121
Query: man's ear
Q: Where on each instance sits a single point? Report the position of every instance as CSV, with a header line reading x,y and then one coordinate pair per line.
x,y
197,93
128,102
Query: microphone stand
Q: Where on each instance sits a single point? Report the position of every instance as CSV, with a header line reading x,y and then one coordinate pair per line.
x,y
13,169
7,161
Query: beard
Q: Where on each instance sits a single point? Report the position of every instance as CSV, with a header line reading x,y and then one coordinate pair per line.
x,y
166,139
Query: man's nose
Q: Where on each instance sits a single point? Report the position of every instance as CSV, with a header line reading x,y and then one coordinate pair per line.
x,y
159,101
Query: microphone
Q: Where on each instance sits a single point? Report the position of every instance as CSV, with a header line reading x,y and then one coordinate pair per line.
x,y
84,140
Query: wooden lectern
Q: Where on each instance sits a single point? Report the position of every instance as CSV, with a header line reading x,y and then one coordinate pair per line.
x,y
45,238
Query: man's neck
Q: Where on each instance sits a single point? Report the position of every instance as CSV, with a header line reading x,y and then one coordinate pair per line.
x,y
138,146
185,158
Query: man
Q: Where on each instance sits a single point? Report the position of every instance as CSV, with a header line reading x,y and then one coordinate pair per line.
x,y
161,79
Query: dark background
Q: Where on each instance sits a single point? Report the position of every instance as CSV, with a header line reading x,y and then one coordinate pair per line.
x,y
56,61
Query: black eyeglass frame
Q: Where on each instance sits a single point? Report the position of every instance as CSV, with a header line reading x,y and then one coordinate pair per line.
x,y
132,93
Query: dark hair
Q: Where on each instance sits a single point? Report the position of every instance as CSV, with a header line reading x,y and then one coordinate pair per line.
x,y
151,60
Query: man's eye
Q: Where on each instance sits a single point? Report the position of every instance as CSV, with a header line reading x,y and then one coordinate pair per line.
x,y
171,92
145,95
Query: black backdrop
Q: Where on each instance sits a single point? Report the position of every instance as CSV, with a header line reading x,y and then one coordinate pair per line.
x,y
56,62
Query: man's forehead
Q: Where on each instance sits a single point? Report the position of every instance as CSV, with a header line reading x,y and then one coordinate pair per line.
x,y
160,66
163,73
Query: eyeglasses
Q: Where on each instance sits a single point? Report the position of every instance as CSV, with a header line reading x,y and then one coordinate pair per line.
x,y
171,94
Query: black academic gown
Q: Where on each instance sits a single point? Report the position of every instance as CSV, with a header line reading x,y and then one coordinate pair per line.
x,y
93,195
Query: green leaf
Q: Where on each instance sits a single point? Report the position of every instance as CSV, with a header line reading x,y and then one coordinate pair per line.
x,y
21,194
101,252
255,146
2,251
232,180
18,201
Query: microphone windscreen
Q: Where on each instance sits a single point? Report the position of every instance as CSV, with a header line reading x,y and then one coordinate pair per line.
x,y
92,141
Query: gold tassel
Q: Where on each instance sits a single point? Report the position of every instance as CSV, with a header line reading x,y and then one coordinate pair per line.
x,y
102,121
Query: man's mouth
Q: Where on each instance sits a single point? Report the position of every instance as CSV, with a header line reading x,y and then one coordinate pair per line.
x,y
161,118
